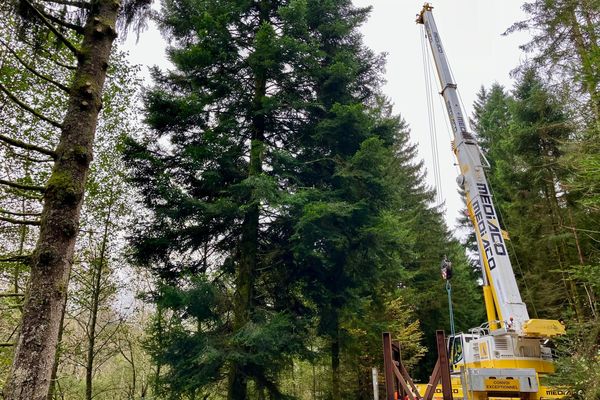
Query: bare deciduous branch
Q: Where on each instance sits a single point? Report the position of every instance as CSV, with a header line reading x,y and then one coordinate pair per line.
x,y
32,159
20,221
27,146
79,4
33,70
25,107
21,259
53,29
69,67
18,214
22,186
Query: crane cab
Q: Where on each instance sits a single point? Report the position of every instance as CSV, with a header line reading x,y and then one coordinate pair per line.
x,y
459,349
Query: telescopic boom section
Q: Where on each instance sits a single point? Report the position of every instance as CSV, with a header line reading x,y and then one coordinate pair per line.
x,y
505,308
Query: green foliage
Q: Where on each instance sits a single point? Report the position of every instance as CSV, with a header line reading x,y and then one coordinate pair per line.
x,y
582,158
565,44
363,350
578,363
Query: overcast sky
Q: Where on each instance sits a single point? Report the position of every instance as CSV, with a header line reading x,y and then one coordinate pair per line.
x,y
471,33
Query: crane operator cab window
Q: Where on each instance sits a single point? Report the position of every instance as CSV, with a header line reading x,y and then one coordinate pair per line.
x,y
455,347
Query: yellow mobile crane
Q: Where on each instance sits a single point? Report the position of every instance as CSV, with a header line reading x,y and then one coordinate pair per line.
x,y
504,358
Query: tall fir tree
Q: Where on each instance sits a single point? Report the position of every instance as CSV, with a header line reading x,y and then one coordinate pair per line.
x,y
565,43
268,101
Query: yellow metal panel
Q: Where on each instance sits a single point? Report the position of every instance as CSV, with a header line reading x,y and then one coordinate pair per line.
x,y
543,328
490,309
541,366
545,393
457,392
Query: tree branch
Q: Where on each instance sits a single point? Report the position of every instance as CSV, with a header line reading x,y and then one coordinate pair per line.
x,y
45,53
25,214
12,295
68,25
21,259
53,29
67,66
79,4
33,70
27,146
35,160
22,186
20,221
27,108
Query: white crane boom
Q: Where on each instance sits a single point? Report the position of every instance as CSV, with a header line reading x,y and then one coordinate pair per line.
x,y
498,272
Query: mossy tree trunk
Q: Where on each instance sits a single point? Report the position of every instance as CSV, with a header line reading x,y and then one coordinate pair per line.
x,y
54,374
35,351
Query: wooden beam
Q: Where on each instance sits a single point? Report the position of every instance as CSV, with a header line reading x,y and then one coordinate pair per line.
x,y
402,382
408,379
444,365
388,365
433,382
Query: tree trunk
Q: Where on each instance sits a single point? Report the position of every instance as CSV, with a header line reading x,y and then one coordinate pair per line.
x,y
247,262
562,254
588,290
95,305
335,366
248,249
159,335
314,380
47,289
133,378
54,375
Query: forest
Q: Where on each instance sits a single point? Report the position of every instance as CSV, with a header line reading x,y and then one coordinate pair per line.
x,y
246,226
